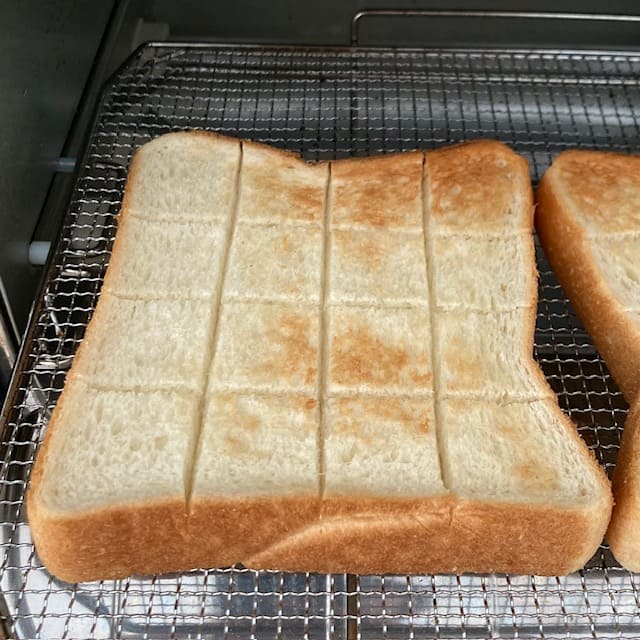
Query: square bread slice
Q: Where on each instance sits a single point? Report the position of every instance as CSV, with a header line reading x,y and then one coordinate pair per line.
x,y
114,459
277,186
521,450
256,475
184,177
488,355
488,274
258,445
395,436
377,268
146,344
382,192
157,259
378,350
588,220
275,262
478,188
267,347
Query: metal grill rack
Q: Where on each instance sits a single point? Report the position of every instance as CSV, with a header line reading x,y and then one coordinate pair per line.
x,y
323,104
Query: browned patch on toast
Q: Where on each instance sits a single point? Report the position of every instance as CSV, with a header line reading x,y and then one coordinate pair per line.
x,y
274,186
366,248
474,184
383,191
604,187
537,476
466,367
358,356
293,354
355,414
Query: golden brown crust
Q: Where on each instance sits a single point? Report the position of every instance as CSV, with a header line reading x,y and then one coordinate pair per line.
x,y
565,242
104,543
223,531
155,537
441,535
111,543
624,530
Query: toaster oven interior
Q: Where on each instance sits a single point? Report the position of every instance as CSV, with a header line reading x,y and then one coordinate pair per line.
x,y
323,80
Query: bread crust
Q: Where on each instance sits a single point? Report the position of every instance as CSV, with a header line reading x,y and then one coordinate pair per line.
x,y
623,534
441,535
156,536
104,543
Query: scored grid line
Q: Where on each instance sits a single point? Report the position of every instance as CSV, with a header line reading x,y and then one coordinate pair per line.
x,y
324,347
191,465
433,325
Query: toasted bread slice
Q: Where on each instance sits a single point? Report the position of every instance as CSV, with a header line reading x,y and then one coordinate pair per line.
x,y
328,418
588,220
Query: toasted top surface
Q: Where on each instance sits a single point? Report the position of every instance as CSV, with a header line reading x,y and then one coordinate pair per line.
x,y
246,446
318,358
123,464
480,187
378,192
278,186
604,189
183,177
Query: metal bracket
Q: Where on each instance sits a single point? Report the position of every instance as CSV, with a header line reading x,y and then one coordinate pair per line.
x,y
8,344
514,15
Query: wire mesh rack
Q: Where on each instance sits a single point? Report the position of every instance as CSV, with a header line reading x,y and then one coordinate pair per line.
x,y
323,104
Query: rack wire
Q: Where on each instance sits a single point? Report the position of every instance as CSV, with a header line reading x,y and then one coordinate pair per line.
x,y
323,104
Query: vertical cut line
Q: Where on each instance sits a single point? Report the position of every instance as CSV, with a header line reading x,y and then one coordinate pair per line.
x,y
323,352
429,250
192,463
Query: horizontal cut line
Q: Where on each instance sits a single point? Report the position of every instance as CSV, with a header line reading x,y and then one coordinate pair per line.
x,y
365,304
273,302
183,222
613,235
476,311
346,393
507,234
151,298
203,219
170,389
215,387
401,231
276,222
379,393
450,232
270,300
502,398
